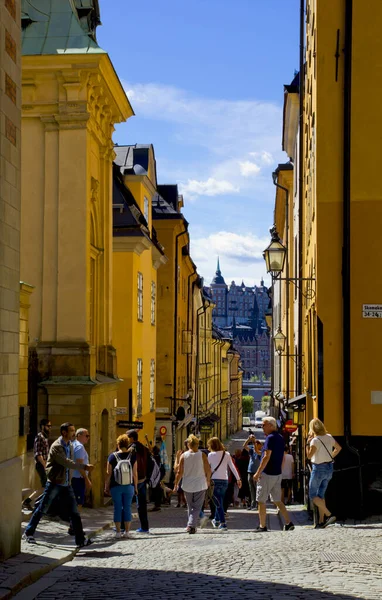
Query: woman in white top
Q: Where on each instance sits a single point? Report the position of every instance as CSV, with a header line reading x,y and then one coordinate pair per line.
x,y
195,473
220,461
321,449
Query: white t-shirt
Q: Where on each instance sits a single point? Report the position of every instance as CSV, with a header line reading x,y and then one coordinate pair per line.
x,y
194,477
214,459
324,445
287,472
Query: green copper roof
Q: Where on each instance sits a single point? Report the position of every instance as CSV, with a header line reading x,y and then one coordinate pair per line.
x,y
59,27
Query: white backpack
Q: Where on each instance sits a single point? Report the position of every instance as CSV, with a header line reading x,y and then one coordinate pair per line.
x,y
123,471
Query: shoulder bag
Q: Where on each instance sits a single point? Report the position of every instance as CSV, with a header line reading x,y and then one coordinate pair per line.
x,y
330,454
210,490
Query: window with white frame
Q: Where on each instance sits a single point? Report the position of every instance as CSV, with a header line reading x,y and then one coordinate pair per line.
x,y
152,385
139,386
153,302
146,209
140,297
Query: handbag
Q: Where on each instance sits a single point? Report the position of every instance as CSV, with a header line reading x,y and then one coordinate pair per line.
x,y
210,489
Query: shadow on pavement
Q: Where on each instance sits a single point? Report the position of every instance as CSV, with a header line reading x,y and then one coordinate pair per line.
x,y
98,583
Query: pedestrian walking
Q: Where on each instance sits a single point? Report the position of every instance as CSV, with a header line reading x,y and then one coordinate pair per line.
x,y
321,449
59,463
220,461
181,497
195,473
40,451
269,475
253,465
142,458
287,476
157,491
122,483
80,479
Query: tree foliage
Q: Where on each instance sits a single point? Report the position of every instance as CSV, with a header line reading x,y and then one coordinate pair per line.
x,y
248,404
265,400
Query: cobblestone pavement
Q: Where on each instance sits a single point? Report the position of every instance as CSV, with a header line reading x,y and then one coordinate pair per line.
x,y
338,563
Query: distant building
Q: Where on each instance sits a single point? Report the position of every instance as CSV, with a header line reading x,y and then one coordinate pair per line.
x,y
240,313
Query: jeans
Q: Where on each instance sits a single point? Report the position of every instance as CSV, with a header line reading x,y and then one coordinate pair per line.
x,y
122,498
252,489
142,505
319,479
220,488
66,495
41,473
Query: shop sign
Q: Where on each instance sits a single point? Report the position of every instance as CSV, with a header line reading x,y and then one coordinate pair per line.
x,y
206,428
290,427
130,424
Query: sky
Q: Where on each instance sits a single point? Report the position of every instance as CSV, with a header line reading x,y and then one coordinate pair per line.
x,y
205,79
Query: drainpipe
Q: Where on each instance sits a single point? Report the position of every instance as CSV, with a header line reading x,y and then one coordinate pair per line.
x,y
301,192
189,301
176,315
201,308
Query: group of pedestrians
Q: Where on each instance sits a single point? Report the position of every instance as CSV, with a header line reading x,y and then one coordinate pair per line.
x,y
203,474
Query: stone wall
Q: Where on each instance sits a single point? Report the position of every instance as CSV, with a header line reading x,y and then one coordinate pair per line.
x,y
10,100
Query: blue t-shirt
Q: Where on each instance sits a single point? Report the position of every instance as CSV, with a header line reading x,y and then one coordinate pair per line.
x,y
253,460
275,442
79,453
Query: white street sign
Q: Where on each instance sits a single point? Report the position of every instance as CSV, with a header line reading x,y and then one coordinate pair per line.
x,y
372,311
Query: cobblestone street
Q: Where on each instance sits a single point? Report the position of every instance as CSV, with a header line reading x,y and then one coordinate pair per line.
x,y
341,562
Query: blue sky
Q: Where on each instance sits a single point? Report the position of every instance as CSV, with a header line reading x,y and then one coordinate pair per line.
x,y
205,79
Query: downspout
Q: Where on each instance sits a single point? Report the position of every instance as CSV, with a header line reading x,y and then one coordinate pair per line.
x,y
176,316
346,323
189,358
197,362
301,192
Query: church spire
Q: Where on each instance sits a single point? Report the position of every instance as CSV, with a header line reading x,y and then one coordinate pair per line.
x,y
218,271
218,279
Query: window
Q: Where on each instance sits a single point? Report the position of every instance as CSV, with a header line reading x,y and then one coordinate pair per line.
x,y
140,297
152,385
146,209
153,302
139,386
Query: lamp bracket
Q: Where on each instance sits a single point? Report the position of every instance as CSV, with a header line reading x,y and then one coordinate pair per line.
x,y
309,293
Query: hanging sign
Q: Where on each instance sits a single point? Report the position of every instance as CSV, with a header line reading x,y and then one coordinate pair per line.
x,y
163,431
290,427
130,424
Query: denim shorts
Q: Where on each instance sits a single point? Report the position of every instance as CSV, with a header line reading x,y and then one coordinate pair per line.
x,y
319,479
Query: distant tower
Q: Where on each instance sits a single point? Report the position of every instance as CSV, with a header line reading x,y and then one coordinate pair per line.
x,y
219,297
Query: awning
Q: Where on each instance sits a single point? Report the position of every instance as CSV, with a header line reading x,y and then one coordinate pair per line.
x,y
186,421
297,401
210,419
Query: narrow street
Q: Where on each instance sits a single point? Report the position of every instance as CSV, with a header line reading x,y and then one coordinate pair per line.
x,y
304,564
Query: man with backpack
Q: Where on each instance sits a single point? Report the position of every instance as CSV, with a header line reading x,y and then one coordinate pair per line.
x,y
144,469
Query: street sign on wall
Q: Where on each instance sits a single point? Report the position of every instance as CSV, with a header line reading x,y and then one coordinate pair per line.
x,y
290,427
372,311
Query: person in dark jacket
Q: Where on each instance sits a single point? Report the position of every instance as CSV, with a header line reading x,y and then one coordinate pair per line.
x,y
59,464
142,457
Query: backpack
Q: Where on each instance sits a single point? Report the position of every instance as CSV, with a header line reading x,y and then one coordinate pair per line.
x,y
153,472
123,471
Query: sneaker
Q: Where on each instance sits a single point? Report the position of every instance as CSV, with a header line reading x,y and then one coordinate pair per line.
x,y
328,521
30,539
318,526
140,530
260,529
222,527
250,508
187,530
289,527
86,542
215,524
204,522
27,503
192,530
118,535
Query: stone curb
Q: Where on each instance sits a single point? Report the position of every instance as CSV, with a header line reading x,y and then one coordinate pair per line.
x,y
39,572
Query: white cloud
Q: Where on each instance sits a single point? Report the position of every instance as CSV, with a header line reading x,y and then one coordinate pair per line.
x,y
241,256
248,168
264,157
210,187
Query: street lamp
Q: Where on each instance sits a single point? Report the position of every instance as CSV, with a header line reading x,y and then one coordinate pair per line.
x,y
275,254
279,340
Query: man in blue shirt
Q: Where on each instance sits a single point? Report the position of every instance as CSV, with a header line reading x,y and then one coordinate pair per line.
x,y
80,479
269,475
254,460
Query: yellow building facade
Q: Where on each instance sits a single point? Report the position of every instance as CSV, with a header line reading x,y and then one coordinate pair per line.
x,y
335,153
137,255
72,99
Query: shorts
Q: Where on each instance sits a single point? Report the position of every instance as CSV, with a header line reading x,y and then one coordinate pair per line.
x,y
286,484
41,473
78,485
269,485
319,479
